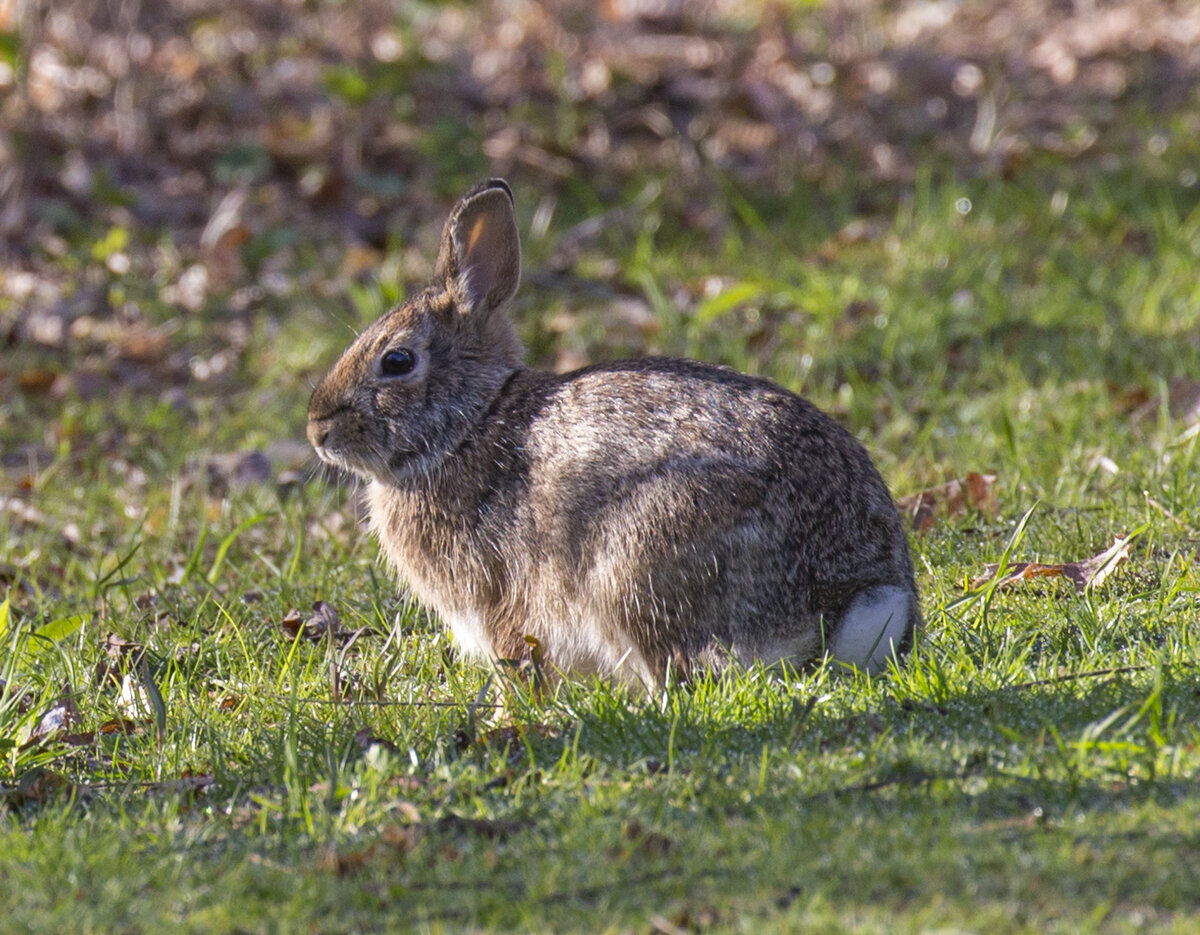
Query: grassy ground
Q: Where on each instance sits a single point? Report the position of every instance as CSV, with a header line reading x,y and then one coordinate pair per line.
x,y
184,751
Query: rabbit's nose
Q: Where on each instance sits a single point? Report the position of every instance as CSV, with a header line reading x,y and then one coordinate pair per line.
x,y
318,431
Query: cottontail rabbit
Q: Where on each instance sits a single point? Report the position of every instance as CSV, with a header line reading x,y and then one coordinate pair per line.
x,y
635,518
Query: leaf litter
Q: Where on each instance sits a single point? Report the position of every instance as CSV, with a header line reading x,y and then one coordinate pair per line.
x,y
773,96
1085,575
955,498
323,623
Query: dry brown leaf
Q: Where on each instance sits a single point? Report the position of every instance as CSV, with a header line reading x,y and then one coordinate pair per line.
x,y
116,725
367,740
145,345
324,622
515,735
646,842
121,725
292,622
36,380
188,783
343,861
491,828
954,498
39,785
117,648
1089,573
55,724
1183,402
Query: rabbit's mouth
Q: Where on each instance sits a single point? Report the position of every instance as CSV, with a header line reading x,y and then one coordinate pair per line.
x,y
395,467
337,460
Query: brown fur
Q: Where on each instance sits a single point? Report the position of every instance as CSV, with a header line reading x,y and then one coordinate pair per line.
x,y
630,516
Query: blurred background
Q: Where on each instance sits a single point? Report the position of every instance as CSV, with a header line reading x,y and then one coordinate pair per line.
x,y
200,200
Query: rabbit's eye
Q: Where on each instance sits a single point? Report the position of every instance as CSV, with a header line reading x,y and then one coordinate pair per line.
x,y
398,363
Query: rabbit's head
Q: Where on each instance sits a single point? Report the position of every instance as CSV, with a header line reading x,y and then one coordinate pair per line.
x,y
408,390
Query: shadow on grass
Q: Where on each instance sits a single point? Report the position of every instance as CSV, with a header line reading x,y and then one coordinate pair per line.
x,y
1066,814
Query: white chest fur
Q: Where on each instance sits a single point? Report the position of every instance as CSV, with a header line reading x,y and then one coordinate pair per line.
x,y
469,632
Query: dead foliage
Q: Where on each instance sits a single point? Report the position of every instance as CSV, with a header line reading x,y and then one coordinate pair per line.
x,y
442,839
41,785
1085,575
323,623
952,499
237,130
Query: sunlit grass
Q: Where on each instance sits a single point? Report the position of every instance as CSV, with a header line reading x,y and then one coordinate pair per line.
x,y
1032,768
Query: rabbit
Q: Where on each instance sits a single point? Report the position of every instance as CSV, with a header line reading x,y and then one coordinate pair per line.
x,y
643,520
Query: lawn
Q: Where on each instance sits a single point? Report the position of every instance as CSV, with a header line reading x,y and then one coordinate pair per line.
x,y
219,714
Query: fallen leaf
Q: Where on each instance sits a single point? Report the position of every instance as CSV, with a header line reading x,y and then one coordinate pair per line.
x,y
38,785
116,725
323,623
491,828
145,345
1092,572
368,741
402,837
1183,402
691,918
54,723
515,734
120,725
647,842
954,498
36,380
189,782
1087,574
292,621
1183,398
661,925
116,647
341,861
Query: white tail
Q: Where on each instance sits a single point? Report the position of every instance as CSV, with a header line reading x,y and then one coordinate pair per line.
x,y
874,628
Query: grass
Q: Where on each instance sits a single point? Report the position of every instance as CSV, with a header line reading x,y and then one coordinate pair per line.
x,y
1033,768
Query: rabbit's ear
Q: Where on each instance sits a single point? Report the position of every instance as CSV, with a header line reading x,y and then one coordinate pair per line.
x,y
480,258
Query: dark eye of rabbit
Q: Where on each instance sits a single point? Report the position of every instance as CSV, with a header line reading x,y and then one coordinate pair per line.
x,y
398,363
